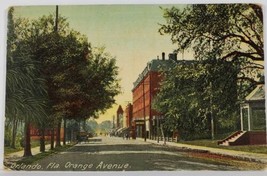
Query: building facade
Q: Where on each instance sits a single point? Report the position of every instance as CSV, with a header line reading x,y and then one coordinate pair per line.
x,y
145,119
129,115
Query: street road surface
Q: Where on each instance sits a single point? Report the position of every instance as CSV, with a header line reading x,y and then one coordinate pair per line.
x,y
116,154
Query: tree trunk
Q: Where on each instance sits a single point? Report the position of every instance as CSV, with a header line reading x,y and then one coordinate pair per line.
x,y
58,134
42,140
52,138
64,136
14,132
27,139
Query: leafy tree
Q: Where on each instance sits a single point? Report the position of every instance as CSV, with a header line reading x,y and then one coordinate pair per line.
x,y
26,94
188,96
65,77
105,126
91,125
227,41
81,82
231,32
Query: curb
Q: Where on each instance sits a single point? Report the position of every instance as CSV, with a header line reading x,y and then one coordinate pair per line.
x,y
188,149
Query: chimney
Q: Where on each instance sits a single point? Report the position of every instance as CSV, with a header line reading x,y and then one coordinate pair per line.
x,y
163,56
173,56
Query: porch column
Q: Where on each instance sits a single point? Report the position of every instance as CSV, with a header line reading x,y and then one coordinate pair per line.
x,y
249,116
241,117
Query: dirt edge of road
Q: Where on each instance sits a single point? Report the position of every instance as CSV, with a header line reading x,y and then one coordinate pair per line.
x,y
244,163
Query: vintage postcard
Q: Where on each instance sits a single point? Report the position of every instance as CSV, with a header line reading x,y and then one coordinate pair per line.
x,y
135,87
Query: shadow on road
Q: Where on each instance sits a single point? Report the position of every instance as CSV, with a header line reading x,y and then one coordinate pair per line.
x,y
115,147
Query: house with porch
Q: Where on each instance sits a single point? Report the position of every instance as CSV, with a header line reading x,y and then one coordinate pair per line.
x,y
253,121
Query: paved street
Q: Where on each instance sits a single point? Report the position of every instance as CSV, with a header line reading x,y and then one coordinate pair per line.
x,y
116,154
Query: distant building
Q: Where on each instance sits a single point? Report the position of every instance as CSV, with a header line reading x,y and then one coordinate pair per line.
x,y
119,117
129,115
145,119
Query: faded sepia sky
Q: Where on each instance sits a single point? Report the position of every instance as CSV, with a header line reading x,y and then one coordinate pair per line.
x,y
129,32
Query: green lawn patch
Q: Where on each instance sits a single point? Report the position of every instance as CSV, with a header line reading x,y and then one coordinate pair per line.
x,y
30,160
34,143
8,150
244,148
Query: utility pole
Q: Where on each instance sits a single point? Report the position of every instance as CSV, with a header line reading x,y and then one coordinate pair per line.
x,y
113,122
56,20
58,127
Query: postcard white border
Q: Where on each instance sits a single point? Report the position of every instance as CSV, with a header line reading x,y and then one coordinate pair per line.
x,y
4,4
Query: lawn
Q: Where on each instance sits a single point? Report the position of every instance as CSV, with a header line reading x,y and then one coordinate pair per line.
x,y
244,148
34,143
8,150
30,160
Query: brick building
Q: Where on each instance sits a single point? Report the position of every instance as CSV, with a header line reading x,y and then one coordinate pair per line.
x,y
129,115
35,133
145,118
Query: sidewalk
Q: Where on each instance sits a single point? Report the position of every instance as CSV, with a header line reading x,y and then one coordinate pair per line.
x,y
257,157
16,156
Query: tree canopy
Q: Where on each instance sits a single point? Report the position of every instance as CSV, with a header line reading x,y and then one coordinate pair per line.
x,y
54,73
81,80
231,32
227,42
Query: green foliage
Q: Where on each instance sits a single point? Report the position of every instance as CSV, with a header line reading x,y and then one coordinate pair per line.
x,y
226,40
218,29
232,32
105,126
193,91
81,81
90,125
53,74
25,92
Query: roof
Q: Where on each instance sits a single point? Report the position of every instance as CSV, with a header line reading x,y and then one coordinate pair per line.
x,y
119,111
257,94
157,65
153,65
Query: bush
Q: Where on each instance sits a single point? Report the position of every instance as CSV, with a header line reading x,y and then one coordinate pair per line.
x,y
7,140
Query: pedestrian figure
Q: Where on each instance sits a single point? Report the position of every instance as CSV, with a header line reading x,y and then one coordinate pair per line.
x,y
127,136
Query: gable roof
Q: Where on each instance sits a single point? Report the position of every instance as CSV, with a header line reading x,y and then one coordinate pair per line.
x,y
257,94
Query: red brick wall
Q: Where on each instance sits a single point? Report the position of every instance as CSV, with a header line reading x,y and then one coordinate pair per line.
x,y
150,89
155,85
129,114
35,135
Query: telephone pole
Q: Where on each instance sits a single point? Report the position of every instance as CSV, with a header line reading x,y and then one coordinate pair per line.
x,y
56,20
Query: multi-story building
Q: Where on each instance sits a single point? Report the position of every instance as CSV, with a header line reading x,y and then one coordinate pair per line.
x,y
145,118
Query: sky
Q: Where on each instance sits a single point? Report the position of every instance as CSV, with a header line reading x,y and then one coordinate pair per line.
x,y
129,33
